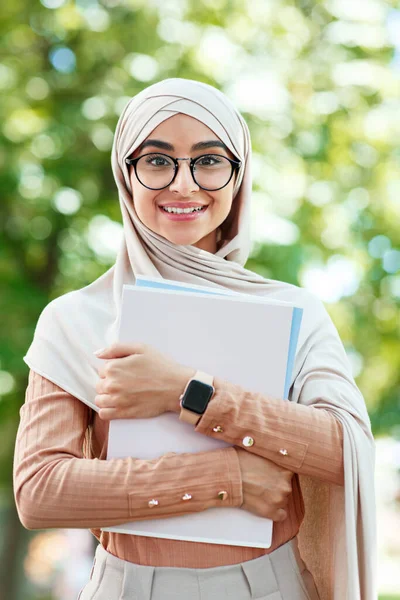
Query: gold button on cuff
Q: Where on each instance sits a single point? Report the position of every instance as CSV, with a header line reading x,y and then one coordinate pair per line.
x,y
153,503
218,429
223,495
187,497
248,441
283,451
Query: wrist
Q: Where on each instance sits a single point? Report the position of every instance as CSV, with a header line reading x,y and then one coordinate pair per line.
x,y
181,380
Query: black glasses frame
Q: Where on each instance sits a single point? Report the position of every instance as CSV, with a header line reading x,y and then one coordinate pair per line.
x,y
235,164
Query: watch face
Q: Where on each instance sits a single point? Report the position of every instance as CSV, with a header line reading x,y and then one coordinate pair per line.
x,y
197,396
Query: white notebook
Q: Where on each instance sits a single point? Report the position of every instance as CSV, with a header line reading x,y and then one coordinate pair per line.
x,y
246,340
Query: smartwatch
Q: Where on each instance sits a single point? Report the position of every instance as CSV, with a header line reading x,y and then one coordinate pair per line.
x,y
196,396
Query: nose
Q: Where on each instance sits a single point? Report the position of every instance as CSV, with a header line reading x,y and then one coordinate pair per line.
x,y
184,184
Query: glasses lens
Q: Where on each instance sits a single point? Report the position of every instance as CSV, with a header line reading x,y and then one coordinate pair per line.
x,y
155,170
212,171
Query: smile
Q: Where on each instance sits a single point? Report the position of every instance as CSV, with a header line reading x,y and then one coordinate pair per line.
x,y
176,213
179,211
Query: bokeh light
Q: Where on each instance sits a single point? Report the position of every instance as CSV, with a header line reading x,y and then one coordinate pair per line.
x,y
67,201
63,59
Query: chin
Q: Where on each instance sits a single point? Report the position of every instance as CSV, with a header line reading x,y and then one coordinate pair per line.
x,y
182,239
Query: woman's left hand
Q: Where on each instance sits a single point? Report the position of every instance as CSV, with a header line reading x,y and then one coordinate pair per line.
x,y
138,382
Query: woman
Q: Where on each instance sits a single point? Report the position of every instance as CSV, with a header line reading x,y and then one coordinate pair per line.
x,y
188,220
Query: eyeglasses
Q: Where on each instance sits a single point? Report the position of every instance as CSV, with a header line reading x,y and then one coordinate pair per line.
x,y
210,172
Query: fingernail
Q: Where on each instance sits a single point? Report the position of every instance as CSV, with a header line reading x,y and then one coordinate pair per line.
x,y
99,351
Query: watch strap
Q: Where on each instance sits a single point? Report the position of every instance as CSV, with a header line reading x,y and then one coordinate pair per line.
x,y
188,415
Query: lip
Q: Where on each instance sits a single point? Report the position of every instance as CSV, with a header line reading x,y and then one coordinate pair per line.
x,y
182,205
182,216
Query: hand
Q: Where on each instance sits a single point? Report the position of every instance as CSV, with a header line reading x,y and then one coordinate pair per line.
x,y
139,382
266,486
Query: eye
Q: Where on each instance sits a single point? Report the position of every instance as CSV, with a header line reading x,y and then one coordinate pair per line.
x,y
209,160
158,160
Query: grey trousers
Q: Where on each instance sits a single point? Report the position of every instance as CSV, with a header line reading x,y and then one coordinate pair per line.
x,y
281,575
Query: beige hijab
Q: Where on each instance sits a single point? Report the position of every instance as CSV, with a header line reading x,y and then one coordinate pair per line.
x,y
337,538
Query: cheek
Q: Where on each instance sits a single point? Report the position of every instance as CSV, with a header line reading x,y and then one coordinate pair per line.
x,y
143,205
224,202
143,202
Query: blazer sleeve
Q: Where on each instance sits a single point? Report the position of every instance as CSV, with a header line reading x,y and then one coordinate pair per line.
x,y
55,486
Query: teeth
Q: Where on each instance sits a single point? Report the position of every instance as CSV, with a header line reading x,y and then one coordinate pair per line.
x,y
179,211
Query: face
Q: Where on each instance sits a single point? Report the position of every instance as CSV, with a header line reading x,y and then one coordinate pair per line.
x,y
178,134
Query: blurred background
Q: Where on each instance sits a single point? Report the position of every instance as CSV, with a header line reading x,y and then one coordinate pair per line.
x,y
319,86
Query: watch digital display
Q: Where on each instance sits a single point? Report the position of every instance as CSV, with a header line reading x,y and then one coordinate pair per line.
x,y
197,396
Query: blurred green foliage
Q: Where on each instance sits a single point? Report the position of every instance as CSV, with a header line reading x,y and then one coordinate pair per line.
x,y
317,82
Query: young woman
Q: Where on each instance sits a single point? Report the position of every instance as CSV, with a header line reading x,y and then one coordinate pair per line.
x,y
182,163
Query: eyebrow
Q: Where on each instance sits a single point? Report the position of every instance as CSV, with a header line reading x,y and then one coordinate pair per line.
x,y
198,146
